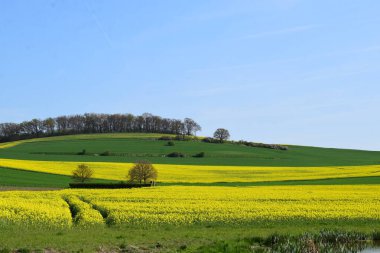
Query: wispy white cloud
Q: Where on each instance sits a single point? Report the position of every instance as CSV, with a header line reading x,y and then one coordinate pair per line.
x,y
99,24
326,55
218,90
284,31
368,49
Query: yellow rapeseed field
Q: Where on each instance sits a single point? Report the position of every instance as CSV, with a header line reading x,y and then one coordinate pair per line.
x,y
178,205
189,205
199,173
34,208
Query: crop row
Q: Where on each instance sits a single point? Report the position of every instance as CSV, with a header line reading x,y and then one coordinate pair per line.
x,y
82,212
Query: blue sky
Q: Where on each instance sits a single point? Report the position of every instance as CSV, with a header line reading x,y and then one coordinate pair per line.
x,y
276,71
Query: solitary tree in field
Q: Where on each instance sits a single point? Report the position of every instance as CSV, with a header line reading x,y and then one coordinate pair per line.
x,y
221,134
83,173
142,171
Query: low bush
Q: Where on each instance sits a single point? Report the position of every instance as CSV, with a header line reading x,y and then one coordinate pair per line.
x,y
105,153
120,185
178,137
210,140
165,138
262,145
83,152
175,154
199,155
185,138
170,143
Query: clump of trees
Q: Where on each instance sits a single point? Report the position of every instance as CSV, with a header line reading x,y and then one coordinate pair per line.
x,y
82,173
220,136
97,123
142,172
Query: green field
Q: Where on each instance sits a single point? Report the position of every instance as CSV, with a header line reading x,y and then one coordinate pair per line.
x,y
22,178
162,239
137,147
327,181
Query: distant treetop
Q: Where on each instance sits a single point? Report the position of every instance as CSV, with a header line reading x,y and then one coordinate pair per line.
x,y
96,123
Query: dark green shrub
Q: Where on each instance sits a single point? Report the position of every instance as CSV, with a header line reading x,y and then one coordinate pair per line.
x,y
83,152
184,138
210,140
175,154
165,138
261,145
199,155
105,153
170,143
107,185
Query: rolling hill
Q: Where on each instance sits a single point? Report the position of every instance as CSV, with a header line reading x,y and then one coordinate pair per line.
x,y
49,161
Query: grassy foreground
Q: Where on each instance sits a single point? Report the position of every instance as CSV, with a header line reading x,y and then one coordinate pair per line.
x,y
156,239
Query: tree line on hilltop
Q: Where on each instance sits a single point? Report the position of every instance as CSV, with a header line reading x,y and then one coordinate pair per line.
x,y
97,123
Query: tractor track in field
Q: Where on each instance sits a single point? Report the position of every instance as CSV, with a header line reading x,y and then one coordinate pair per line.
x,y
70,208
104,214
79,208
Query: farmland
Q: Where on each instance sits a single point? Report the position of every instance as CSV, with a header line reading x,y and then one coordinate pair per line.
x,y
233,192
182,205
127,148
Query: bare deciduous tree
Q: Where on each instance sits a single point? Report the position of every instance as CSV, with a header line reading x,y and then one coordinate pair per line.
x,y
221,134
96,123
191,127
142,172
83,173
